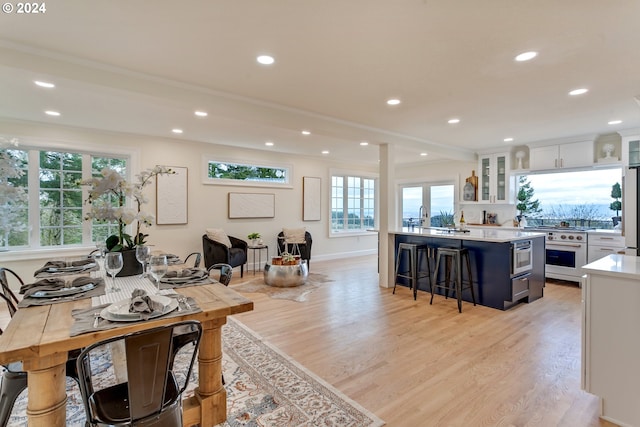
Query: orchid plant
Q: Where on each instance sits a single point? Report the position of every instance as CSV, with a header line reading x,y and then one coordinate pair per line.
x,y
102,209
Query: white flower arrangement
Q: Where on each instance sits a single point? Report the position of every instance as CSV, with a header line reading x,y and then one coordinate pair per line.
x,y
111,182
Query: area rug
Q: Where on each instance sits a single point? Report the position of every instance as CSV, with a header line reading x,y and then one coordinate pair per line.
x,y
295,293
264,388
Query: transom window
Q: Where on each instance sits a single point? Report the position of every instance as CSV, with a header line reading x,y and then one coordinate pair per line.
x,y
233,173
352,203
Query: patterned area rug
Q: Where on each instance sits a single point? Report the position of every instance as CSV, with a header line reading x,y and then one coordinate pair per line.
x,y
264,388
296,293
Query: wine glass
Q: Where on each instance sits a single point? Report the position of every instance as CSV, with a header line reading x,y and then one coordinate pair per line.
x,y
142,255
113,265
158,268
100,256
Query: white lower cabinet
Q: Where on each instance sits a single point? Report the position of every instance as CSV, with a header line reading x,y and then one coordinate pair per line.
x,y
610,338
602,244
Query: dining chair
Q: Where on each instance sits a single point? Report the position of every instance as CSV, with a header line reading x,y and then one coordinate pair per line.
x,y
197,257
151,393
14,378
226,271
9,297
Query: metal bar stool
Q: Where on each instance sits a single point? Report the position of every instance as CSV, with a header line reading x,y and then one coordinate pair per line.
x,y
453,259
416,253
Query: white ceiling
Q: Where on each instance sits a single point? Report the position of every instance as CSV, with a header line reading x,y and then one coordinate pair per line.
x,y
145,66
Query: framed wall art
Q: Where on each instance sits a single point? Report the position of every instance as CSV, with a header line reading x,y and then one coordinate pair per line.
x,y
252,205
311,198
172,197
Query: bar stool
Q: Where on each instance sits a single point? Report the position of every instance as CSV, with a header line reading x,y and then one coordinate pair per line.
x,y
416,253
453,260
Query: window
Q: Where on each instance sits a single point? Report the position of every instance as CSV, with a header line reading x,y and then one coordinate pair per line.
x,y
14,196
54,198
232,173
581,198
352,203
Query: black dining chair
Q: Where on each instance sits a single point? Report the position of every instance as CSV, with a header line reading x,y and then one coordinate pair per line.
x,y
151,393
14,378
197,258
226,271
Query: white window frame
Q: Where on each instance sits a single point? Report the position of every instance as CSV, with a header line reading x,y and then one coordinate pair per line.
x,y
33,146
359,174
207,158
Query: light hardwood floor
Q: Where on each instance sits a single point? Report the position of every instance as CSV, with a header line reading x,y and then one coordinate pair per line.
x,y
415,364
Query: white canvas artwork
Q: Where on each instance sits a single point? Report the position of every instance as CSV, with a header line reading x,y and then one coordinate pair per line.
x,y
172,197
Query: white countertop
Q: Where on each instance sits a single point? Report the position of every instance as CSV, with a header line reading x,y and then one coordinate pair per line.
x,y
616,265
491,234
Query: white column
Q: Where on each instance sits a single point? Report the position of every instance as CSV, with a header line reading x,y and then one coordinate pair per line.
x,y
387,215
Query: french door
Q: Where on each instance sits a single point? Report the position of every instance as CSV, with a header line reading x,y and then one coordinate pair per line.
x,y
433,201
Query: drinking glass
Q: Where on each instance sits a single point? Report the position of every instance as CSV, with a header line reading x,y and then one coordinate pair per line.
x,y
113,265
158,268
142,255
100,256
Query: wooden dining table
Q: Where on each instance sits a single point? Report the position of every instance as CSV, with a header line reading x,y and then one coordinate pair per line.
x,y
39,336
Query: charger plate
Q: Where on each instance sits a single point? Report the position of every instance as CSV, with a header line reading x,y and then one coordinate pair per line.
x,y
63,292
119,311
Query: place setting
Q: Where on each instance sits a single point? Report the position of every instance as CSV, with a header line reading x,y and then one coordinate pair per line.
x,y
55,268
142,305
60,289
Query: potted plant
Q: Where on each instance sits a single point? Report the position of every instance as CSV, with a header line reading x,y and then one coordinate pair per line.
x,y
288,259
254,238
616,205
526,204
104,208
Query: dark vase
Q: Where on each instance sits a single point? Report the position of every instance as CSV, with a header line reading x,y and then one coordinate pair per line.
x,y
130,264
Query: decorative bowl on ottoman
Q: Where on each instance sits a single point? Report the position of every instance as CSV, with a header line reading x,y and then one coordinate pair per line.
x,y
286,276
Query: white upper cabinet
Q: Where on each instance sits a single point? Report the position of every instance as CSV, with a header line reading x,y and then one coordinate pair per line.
x,y
494,178
563,156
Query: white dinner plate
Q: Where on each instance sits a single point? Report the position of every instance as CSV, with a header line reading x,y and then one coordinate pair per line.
x,y
63,292
119,311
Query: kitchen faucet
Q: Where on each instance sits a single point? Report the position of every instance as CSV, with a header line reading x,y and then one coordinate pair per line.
x,y
422,217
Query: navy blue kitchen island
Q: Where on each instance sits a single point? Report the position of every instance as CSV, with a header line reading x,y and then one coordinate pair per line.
x,y
492,263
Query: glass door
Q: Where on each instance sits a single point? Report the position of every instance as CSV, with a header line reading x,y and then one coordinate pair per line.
x,y
434,202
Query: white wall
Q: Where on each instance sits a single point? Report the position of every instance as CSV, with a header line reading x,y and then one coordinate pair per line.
x,y
207,204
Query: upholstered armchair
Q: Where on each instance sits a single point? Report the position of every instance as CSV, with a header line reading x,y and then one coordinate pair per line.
x,y
232,252
290,240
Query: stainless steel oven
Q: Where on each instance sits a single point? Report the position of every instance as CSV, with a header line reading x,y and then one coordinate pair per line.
x,y
521,257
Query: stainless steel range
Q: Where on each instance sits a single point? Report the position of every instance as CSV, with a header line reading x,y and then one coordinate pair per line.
x,y
566,251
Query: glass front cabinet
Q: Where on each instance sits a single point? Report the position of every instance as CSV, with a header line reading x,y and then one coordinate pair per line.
x,y
494,178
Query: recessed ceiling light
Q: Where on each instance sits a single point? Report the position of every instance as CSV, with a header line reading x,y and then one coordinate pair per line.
x,y
453,121
508,139
44,84
201,113
424,154
269,144
52,113
306,132
615,122
363,143
578,91
525,56
265,59
393,101
176,130
325,151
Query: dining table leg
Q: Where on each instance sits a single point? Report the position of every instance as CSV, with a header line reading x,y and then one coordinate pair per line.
x,y
210,392
47,398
